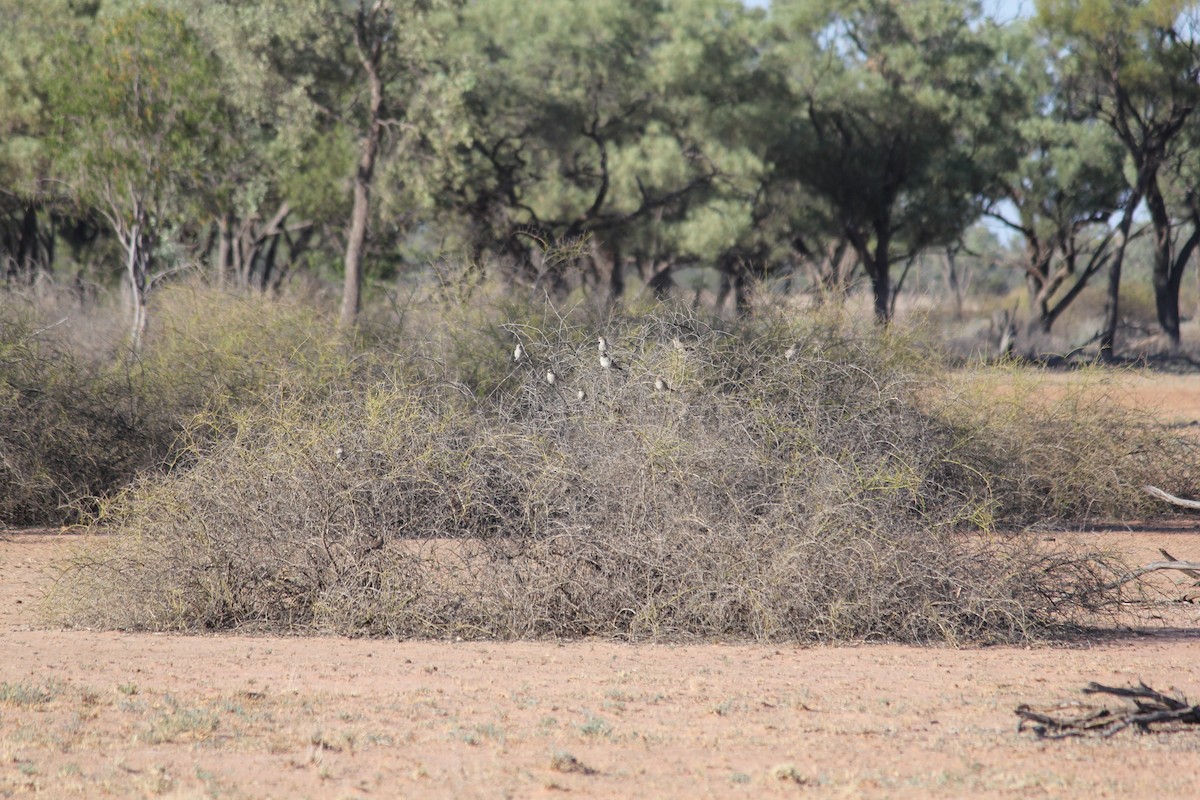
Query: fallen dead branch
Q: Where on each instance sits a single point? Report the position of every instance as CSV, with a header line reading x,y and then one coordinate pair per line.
x,y
1151,707
1186,567
1191,573
1172,499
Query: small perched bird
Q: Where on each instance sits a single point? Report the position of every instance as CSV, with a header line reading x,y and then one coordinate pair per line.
x,y
790,353
581,395
661,385
518,352
603,345
551,377
607,362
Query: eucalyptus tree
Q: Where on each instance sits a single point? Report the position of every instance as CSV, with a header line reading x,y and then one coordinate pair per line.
x,y
758,221
578,131
1060,196
283,179
353,100
139,115
1135,65
896,121
31,200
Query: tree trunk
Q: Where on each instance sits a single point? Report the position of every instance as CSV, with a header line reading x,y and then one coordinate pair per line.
x,y
1166,281
28,246
370,53
136,242
952,281
616,276
723,290
1108,335
877,265
224,249
1039,284
743,301
879,268
662,281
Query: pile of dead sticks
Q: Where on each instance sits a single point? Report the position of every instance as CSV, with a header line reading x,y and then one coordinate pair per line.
x,y
1150,708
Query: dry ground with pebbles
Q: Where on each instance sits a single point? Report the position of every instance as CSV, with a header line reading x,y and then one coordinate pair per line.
x,y
102,714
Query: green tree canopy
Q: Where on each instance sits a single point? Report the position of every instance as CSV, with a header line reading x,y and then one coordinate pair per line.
x,y
897,121
141,118
1135,66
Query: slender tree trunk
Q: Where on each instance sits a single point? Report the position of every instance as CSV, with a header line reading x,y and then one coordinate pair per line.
x,y
953,283
370,53
28,247
267,275
742,298
137,273
352,285
1108,335
224,248
881,278
877,266
723,289
1166,281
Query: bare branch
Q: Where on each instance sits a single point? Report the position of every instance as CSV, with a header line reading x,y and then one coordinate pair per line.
x,y
1172,499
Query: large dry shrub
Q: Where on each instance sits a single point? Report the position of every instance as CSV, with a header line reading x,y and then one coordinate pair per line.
x,y
813,496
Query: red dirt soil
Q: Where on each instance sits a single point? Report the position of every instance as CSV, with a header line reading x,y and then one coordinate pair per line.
x,y
104,714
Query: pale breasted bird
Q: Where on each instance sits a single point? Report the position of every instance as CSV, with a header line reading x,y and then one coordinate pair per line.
x,y
581,395
607,363
551,378
602,346
661,385
518,352
790,353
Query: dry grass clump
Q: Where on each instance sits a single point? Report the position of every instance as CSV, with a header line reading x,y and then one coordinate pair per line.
x,y
66,428
1060,448
80,416
815,494
210,348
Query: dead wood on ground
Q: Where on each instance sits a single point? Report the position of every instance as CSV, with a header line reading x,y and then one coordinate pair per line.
x,y
1172,499
1150,708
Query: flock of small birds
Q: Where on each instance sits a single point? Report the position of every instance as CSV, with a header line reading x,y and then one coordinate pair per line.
x,y
607,362
610,364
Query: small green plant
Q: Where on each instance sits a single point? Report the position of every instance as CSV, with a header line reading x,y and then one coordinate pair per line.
x,y
174,723
789,773
29,694
595,727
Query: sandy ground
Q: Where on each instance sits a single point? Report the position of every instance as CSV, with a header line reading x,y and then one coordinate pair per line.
x,y
102,714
